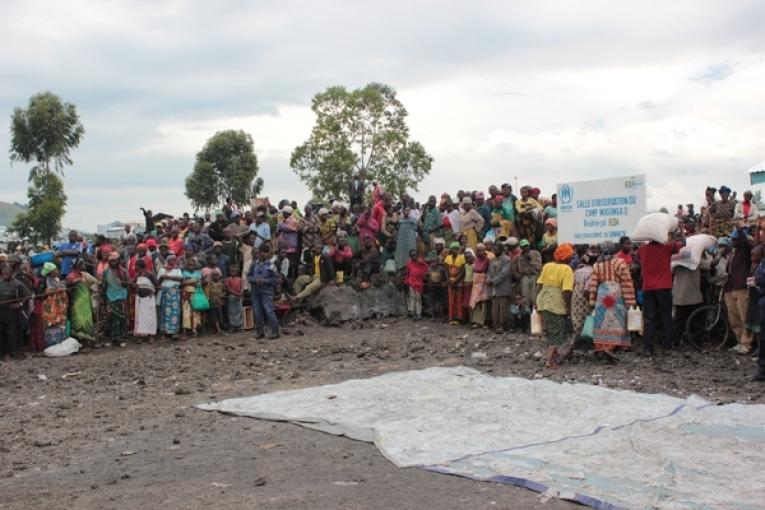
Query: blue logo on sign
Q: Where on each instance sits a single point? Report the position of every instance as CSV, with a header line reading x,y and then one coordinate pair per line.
x,y
566,194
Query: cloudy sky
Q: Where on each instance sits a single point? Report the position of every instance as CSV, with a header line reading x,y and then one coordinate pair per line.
x,y
545,91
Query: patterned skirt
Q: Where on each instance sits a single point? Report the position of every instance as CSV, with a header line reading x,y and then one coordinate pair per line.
x,y
554,327
610,325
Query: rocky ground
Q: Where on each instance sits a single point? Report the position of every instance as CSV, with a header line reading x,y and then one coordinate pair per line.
x,y
115,428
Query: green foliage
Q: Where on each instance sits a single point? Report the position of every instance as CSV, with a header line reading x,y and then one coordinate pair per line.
x,y
257,187
359,131
47,202
224,168
44,133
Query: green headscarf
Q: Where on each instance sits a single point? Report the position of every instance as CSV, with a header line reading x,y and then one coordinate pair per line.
x,y
48,268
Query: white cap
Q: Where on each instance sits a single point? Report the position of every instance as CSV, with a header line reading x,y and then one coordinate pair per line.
x,y
323,210
287,209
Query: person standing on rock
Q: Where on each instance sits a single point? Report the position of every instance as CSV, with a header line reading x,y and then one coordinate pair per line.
x,y
262,278
356,190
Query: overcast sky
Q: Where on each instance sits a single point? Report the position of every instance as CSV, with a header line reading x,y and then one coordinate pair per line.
x,y
540,90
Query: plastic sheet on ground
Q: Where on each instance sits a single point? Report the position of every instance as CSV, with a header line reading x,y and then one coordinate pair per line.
x,y
601,447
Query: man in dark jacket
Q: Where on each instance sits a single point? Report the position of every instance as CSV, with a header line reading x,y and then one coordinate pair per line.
x,y
320,271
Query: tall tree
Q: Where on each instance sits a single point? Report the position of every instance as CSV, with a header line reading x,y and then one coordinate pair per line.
x,y
41,222
225,167
363,131
45,133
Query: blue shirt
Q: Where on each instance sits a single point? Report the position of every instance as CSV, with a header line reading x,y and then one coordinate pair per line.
x,y
262,232
223,264
66,262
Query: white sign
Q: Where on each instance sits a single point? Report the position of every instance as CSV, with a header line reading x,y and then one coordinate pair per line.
x,y
590,212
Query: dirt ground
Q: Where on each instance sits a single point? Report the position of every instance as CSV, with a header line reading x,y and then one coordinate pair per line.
x,y
115,428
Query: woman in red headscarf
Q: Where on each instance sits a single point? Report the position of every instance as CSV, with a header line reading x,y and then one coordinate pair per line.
x,y
554,301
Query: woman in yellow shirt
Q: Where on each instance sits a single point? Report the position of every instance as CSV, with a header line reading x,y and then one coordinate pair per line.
x,y
556,282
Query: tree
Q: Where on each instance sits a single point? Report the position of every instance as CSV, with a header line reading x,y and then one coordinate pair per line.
x,y
225,167
361,131
257,187
45,132
47,202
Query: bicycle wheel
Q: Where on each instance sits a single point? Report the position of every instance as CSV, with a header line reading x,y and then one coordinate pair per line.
x,y
707,328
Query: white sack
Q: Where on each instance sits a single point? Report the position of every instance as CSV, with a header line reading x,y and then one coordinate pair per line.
x,y
690,254
65,348
654,227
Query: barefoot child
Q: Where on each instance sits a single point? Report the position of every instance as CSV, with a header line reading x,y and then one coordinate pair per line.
x,y
216,293
416,268
234,288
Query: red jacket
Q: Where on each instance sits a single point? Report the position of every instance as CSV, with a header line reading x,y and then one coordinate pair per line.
x,y
415,274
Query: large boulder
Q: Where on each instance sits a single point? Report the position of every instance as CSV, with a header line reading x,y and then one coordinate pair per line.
x,y
342,303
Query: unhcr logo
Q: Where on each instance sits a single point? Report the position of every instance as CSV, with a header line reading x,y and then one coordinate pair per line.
x,y
566,194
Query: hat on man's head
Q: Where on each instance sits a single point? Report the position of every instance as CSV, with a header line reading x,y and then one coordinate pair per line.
x,y
467,201
724,189
512,241
524,243
454,245
287,209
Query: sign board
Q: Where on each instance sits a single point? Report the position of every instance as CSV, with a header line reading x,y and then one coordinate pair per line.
x,y
590,212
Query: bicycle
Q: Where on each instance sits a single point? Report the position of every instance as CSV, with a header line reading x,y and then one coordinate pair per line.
x,y
707,327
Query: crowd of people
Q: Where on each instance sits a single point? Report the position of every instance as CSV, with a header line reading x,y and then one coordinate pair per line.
x,y
482,259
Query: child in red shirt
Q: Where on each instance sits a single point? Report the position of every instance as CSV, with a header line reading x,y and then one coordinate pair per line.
x,y
234,300
416,268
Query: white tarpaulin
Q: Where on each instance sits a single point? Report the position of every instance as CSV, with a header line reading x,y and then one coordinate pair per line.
x,y
604,448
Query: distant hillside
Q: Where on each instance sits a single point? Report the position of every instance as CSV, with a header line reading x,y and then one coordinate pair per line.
x,y
8,212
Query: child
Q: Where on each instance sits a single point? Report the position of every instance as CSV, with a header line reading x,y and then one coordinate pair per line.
x,y
435,279
234,300
416,268
519,315
454,263
216,293
467,285
210,268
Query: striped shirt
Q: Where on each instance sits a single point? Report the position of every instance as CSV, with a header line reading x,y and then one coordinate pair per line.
x,y
614,270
